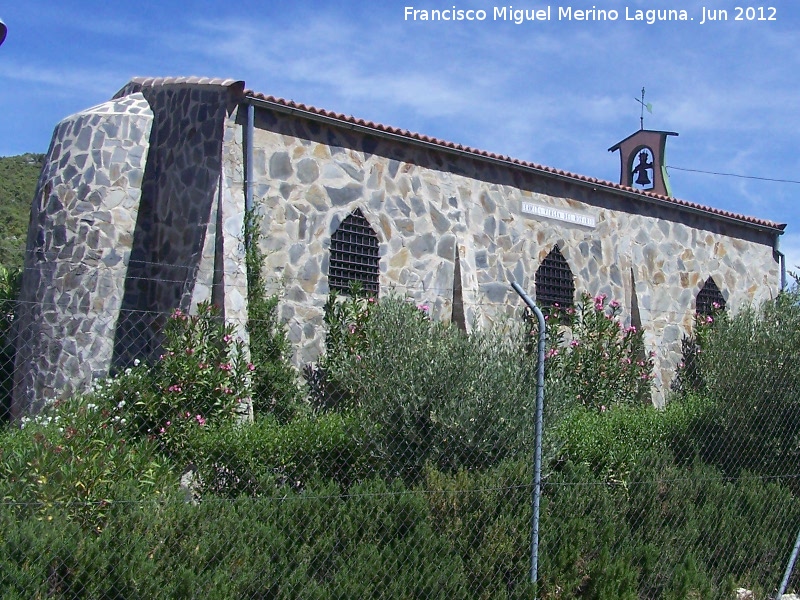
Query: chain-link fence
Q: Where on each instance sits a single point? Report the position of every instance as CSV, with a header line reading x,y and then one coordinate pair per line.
x,y
400,463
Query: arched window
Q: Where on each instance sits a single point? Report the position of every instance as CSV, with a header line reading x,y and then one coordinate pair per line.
x,y
709,298
354,255
554,284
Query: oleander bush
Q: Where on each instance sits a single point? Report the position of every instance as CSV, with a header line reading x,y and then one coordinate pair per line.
x,y
593,359
202,377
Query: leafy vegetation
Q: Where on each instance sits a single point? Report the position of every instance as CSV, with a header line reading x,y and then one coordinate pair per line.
x,y
404,468
275,384
18,177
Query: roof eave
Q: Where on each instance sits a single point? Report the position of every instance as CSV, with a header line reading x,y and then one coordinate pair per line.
x,y
594,184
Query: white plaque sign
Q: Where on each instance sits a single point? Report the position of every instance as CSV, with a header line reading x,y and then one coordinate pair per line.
x,y
559,214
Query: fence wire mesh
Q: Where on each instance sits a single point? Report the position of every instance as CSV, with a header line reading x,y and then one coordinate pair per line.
x,y
399,465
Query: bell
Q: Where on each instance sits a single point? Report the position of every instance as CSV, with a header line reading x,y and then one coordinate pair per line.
x,y
642,178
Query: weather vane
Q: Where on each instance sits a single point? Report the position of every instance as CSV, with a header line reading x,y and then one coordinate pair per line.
x,y
648,106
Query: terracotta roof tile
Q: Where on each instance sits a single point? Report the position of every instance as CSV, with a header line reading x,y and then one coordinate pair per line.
x,y
379,128
515,161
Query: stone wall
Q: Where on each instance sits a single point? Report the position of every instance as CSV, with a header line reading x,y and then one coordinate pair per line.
x,y
78,248
176,231
425,205
140,207
124,229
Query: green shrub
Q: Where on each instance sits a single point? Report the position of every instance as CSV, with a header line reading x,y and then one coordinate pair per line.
x,y
275,382
232,460
10,283
613,442
486,519
669,532
429,392
375,543
76,462
749,367
345,319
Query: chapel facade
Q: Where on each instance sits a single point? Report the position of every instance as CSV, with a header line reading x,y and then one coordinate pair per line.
x,y
140,210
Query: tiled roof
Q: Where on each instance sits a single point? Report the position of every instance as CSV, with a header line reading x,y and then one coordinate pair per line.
x,y
346,120
512,162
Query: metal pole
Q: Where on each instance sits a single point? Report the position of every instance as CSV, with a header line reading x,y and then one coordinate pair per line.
x,y
789,568
248,159
537,460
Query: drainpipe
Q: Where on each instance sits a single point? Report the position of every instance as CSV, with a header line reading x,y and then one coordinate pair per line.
x,y
781,259
248,158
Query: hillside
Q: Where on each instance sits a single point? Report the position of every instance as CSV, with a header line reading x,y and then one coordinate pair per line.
x,y
18,177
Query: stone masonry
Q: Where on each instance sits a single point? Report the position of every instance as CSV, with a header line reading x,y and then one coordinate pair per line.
x,y
140,207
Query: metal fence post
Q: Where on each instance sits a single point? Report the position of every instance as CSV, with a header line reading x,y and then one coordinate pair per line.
x,y
537,467
789,568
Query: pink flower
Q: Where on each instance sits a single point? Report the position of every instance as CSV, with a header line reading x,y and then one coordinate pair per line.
x,y
709,319
423,307
175,388
372,300
227,338
551,353
200,420
190,351
251,367
225,366
716,305
575,343
352,328
614,304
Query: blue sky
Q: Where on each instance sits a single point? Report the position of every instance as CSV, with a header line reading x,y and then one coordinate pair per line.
x,y
553,92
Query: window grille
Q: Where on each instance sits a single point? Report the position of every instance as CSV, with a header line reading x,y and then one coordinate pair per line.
x,y
554,283
354,255
708,296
